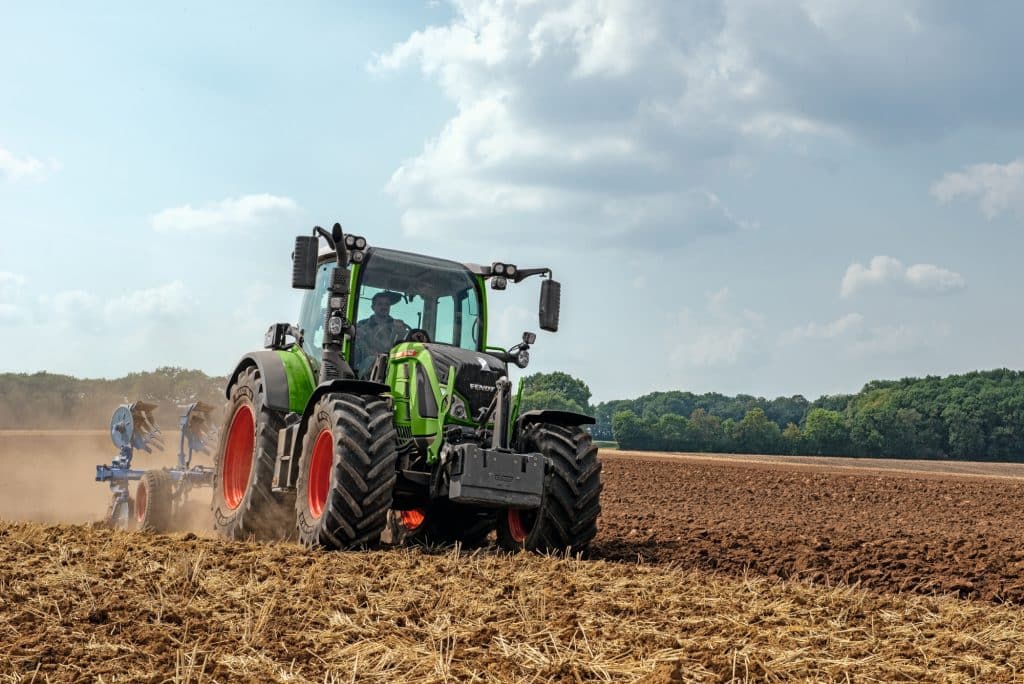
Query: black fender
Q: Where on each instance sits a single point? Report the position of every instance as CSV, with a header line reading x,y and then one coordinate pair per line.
x,y
289,475
360,387
551,417
275,381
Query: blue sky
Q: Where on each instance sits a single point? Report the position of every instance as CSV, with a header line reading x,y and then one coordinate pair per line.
x,y
762,197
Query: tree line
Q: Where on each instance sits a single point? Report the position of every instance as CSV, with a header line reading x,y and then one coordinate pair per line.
x,y
977,416
51,401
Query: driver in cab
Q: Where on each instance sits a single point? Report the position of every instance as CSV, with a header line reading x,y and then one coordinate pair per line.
x,y
378,333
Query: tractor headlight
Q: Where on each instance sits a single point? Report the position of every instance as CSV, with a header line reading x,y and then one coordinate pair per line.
x,y
357,257
350,241
458,407
498,268
510,270
335,326
499,283
523,358
360,243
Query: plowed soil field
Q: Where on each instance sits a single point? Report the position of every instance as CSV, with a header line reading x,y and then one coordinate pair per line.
x,y
706,569
915,527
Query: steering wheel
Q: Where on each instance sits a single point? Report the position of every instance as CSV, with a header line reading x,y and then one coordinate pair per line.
x,y
417,335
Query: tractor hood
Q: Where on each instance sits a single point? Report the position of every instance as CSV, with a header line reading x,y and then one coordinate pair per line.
x,y
475,372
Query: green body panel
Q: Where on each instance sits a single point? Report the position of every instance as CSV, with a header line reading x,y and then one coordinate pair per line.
x,y
404,379
301,380
350,310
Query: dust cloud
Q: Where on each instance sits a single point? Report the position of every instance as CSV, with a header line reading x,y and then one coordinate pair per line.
x,y
50,476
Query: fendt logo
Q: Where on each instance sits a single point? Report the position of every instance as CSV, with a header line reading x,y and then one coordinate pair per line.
x,y
483,364
481,388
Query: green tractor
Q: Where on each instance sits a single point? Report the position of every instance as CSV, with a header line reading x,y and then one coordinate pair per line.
x,y
402,425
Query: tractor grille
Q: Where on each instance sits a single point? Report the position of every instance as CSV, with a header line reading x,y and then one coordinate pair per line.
x,y
476,385
473,380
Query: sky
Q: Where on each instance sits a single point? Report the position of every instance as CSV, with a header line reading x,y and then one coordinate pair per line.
x,y
770,198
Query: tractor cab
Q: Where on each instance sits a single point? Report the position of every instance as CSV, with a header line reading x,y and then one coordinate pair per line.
x,y
429,300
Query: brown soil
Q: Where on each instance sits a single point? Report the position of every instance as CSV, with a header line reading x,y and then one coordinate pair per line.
x,y
891,526
924,532
744,574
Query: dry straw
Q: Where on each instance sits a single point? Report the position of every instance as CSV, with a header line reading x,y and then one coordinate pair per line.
x,y
78,603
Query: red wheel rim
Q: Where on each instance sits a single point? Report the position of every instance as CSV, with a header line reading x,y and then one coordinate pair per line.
x,y
412,519
517,527
320,472
238,452
140,502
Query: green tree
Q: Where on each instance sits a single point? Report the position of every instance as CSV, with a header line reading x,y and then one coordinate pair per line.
x,y
573,389
706,431
793,439
630,431
673,433
825,433
548,399
755,434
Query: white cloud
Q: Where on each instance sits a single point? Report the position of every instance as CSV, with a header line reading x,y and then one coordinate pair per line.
x,y
851,335
86,311
18,168
881,269
998,187
509,324
840,329
226,215
570,117
885,270
717,338
169,301
889,340
931,278
11,309
10,283
576,114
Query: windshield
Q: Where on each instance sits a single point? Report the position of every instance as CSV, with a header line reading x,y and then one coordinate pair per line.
x,y
399,292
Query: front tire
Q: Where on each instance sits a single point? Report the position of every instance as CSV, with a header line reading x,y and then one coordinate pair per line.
x,y
346,472
154,501
244,506
570,501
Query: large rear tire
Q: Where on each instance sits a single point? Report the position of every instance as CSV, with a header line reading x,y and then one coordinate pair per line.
x,y
442,524
153,501
570,501
346,472
244,506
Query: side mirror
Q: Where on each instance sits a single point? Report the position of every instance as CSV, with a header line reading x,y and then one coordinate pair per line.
x,y
550,303
304,262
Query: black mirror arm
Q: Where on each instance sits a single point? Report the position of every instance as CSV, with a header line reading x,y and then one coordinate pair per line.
x,y
317,230
524,273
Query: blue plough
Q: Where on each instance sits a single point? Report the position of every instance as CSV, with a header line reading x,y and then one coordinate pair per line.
x,y
161,493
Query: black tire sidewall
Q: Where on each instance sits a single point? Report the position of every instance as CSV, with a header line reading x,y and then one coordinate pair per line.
x,y
534,438
157,515
258,514
318,421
